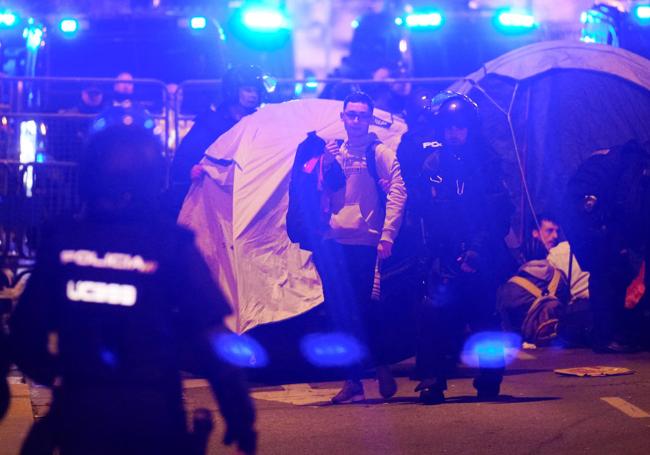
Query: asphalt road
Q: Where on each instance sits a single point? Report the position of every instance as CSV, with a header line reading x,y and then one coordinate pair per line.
x,y
539,412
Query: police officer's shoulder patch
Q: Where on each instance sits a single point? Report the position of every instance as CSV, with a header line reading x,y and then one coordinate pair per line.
x,y
431,144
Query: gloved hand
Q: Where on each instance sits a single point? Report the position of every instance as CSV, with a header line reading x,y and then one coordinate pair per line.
x,y
197,172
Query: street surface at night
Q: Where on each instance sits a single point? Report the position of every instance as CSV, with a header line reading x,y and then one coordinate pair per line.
x,y
540,412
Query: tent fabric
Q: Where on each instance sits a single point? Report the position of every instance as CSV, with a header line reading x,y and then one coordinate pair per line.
x,y
529,61
547,107
238,212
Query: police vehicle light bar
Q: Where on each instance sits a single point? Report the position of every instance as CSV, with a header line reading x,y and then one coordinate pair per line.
x,y
265,19
642,12
69,25
431,19
8,19
198,23
515,19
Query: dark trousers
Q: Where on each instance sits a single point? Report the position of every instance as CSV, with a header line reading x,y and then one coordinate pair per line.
x,y
453,303
611,271
101,422
347,274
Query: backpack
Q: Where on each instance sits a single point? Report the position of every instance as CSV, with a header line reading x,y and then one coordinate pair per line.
x,y
540,325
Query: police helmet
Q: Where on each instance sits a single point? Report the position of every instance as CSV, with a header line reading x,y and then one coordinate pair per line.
x,y
419,104
245,76
455,109
122,170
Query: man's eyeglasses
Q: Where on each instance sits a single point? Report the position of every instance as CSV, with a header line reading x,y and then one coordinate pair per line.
x,y
362,116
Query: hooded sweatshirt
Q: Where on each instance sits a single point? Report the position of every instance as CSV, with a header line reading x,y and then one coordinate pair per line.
x,y
358,213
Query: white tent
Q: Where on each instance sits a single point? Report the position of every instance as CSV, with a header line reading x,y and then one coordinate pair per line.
x,y
238,212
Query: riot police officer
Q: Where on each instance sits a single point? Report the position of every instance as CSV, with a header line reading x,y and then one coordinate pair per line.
x,y
607,220
454,181
243,90
129,299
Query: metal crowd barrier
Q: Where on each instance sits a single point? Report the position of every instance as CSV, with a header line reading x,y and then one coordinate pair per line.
x,y
44,124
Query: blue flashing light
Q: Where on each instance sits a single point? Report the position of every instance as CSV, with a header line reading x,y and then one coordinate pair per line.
x,y
198,23
491,349
99,124
354,23
240,350
642,12
8,19
513,19
69,25
399,21
33,36
265,20
430,20
108,357
332,349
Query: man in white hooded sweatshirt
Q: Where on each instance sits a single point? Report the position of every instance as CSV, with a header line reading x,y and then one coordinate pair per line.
x,y
365,219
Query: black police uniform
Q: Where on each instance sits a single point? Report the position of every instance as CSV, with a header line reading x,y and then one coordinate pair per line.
x,y
607,220
207,128
460,196
128,300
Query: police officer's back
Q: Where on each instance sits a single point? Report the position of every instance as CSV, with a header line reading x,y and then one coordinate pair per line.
x,y
127,296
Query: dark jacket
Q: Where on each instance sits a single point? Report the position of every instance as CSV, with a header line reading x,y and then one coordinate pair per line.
x,y
607,204
207,128
311,181
128,301
460,195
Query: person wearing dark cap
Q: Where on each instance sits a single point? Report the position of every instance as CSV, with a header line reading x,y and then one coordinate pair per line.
x,y
130,301
454,181
243,90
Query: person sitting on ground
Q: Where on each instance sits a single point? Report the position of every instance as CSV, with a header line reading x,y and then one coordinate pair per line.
x,y
547,254
547,243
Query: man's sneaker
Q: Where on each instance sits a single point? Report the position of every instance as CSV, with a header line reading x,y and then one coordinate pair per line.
x,y
430,392
352,392
387,384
